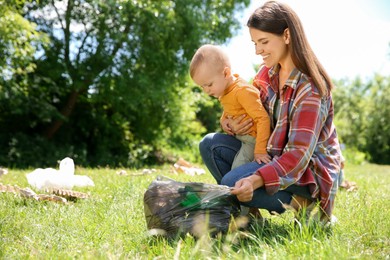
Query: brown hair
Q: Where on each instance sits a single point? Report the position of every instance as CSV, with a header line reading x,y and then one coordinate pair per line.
x,y
274,17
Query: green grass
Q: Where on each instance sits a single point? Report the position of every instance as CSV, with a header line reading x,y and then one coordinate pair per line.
x,y
111,224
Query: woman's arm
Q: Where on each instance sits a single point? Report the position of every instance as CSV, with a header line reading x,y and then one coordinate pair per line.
x,y
244,187
305,124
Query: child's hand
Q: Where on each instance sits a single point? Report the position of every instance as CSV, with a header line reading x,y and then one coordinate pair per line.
x,y
225,126
262,158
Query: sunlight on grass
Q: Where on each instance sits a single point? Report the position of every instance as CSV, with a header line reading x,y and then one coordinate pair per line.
x,y
111,223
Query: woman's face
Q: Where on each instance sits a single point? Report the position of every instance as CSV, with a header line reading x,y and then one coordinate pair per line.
x,y
273,48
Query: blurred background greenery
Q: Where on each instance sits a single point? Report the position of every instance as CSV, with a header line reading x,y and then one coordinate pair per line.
x,y
106,83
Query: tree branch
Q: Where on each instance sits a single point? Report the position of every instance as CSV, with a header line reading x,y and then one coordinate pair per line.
x,y
97,65
58,15
68,14
87,32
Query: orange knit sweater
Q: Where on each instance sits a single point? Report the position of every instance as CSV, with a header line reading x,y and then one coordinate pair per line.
x,y
243,98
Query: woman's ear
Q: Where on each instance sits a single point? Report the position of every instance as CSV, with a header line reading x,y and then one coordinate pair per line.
x,y
286,35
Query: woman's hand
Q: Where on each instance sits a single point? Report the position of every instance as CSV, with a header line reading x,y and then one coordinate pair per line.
x,y
236,126
244,188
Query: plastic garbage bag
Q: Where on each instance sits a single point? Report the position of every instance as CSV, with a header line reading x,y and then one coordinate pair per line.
x,y
63,178
175,208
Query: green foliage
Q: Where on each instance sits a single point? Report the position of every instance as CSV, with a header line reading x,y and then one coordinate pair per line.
x,y
113,81
209,113
362,117
18,40
354,156
18,45
107,82
377,133
350,112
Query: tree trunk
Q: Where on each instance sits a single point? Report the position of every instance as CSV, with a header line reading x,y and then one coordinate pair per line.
x,y
66,111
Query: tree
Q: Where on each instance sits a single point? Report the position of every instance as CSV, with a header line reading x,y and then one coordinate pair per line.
x,y
18,45
377,132
112,85
17,39
350,114
363,116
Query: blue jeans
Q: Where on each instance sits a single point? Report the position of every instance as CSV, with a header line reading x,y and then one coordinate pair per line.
x,y
218,152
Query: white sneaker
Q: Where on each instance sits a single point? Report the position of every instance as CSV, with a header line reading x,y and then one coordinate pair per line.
x,y
332,221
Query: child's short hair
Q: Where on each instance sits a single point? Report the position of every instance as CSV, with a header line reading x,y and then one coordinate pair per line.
x,y
209,53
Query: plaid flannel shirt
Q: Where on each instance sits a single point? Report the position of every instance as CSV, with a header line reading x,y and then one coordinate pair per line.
x,y
303,143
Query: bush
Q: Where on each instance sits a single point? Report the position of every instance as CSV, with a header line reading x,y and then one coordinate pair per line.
x,y
362,117
354,156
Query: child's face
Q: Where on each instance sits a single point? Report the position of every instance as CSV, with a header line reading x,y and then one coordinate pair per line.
x,y
211,80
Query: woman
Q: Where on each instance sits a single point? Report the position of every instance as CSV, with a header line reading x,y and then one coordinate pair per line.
x,y
303,145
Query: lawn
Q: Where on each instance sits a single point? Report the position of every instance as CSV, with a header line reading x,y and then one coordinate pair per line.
x,y
110,224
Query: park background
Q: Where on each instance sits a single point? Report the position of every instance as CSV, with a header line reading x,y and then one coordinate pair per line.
x,y
106,82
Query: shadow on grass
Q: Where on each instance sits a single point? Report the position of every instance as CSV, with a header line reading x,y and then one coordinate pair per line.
x,y
266,233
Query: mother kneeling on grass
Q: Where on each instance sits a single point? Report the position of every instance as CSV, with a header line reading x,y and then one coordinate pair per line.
x,y
296,92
